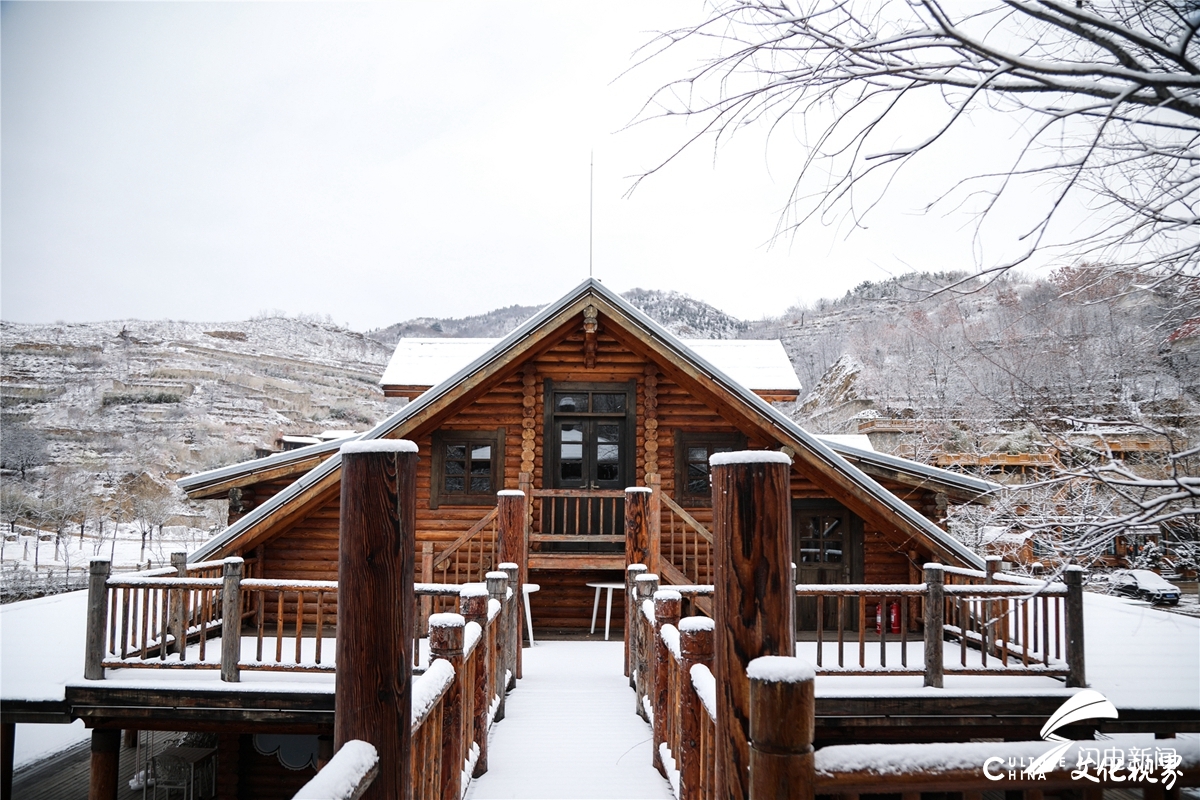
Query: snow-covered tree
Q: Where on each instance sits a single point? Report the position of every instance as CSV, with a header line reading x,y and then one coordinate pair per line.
x,y
1104,96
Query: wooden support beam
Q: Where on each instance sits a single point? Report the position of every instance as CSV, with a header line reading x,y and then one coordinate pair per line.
x,y
696,647
512,534
106,762
473,605
231,618
446,641
646,586
782,708
497,586
631,573
1073,577
667,605
8,741
375,625
637,525
97,615
935,605
754,594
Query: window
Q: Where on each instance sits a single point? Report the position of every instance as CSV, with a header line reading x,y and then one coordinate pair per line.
x,y
467,467
693,485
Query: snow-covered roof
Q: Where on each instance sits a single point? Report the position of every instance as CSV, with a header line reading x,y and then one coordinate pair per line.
x,y
428,362
858,441
668,342
757,364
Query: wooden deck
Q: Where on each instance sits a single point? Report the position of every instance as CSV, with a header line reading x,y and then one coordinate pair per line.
x,y
65,776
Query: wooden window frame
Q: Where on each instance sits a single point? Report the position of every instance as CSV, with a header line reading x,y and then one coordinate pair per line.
x,y
708,440
437,477
629,420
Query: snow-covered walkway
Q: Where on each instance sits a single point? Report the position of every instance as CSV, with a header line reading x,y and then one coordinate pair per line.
x,y
570,730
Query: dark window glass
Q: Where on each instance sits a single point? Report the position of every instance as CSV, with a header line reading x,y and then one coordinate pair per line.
x,y
577,403
571,470
608,403
467,468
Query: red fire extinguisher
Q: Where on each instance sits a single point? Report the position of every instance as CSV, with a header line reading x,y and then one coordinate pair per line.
x,y
893,617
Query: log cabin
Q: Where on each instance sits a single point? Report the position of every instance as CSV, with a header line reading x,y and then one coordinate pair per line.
x,y
585,399
579,447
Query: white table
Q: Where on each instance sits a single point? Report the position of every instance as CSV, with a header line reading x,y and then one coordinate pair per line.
x,y
608,604
528,588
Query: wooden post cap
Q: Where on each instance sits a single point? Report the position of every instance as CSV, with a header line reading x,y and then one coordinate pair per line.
x,y
636,568
782,687
446,634
99,566
668,605
473,602
497,585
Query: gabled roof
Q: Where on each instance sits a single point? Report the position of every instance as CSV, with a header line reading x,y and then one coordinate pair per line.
x,y
761,365
863,494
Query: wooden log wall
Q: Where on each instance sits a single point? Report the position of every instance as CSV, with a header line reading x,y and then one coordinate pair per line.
x,y
308,548
263,777
565,601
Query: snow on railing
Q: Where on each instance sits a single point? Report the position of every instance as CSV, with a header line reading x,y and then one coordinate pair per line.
x,y
347,776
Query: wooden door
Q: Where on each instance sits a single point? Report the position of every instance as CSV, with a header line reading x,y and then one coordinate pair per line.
x,y
827,548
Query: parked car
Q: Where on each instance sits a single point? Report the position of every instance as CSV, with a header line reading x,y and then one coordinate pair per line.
x,y
1144,585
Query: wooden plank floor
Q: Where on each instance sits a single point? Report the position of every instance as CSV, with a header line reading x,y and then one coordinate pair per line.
x,y
65,776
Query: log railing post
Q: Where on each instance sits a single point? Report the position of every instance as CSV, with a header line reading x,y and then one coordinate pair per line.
x,y
473,605
376,607
497,585
754,596
637,525
782,722
105,764
647,585
231,619
696,647
426,602
97,615
654,521
1073,577
667,604
512,644
935,610
179,611
513,548
995,629
446,641
631,573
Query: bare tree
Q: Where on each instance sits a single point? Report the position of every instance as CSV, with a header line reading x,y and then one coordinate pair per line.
x,y
21,448
1107,94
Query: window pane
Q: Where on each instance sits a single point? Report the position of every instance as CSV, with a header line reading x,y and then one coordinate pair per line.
x,y
458,451
608,448
833,556
455,468
833,527
481,484
481,468
607,472
608,453
697,479
810,552
698,454
608,403
454,484
571,402
571,470
571,448
481,451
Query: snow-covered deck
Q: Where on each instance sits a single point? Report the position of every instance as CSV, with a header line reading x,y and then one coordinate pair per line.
x,y
1139,657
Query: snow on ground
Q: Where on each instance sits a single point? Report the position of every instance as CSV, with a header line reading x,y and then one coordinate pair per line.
x,y
41,650
570,730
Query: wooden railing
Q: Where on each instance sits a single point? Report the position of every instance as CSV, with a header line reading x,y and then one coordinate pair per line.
x,y
1012,629
685,544
575,516
681,703
471,556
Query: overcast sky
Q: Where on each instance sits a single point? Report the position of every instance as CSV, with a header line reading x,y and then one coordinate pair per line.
x,y
377,162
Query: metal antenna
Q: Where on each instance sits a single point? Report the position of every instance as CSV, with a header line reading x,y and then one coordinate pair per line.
x,y
591,204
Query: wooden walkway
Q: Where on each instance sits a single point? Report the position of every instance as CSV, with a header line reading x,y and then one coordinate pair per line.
x,y
571,730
